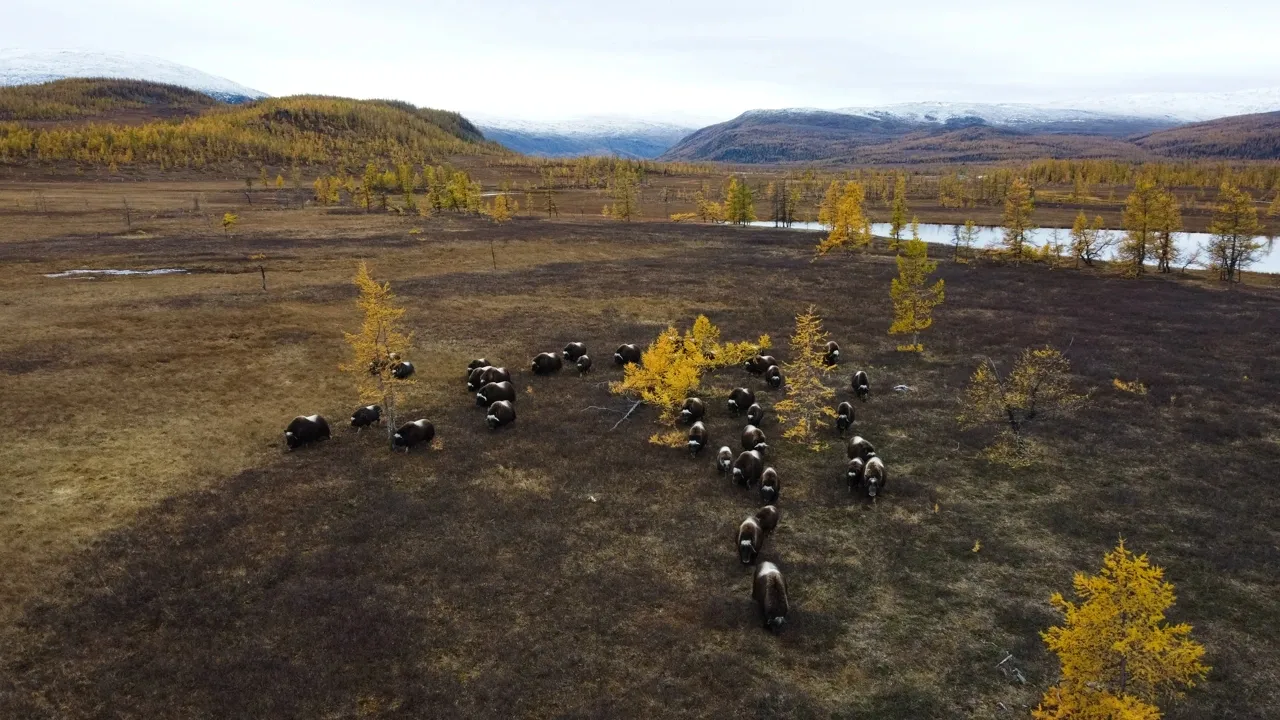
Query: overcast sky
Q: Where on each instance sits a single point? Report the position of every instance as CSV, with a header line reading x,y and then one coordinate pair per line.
x,y
680,60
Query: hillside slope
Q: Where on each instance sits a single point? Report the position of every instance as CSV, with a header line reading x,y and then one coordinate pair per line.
x,y
1244,137
32,67
586,136
100,100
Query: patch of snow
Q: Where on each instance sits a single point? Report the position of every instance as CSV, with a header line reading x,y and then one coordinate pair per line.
x,y
29,67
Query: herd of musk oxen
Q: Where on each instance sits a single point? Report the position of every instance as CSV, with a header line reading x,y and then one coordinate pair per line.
x,y
865,472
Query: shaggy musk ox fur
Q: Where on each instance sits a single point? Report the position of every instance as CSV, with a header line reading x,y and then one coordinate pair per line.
x,y
724,459
755,415
750,537
501,414
752,438
860,448
477,363
741,399
573,351
861,386
773,376
583,364
697,438
546,364
768,517
873,477
366,416
493,392
747,468
306,429
853,474
693,411
770,594
770,486
627,355
844,417
402,370
758,364
488,374
413,433
832,356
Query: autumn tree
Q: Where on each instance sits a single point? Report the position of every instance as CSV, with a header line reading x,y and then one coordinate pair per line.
x,y
1166,223
1235,243
898,216
1140,215
1018,207
622,191
381,339
808,397
1274,209
783,201
740,207
965,236
229,221
913,298
1088,241
827,208
1038,386
1119,657
849,225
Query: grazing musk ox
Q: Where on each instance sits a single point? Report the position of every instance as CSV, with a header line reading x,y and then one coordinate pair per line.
x,y
477,363
366,416
770,594
750,537
493,392
402,370
755,415
770,486
546,364
501,414
773,376
413,433
747,468
832,356
758,364
583,364
573,351
694,409
844,417
697,438
874,477
741,399
861,386
752,438
627,355
485,375
724,459
853,473
768,517
304,430
860,448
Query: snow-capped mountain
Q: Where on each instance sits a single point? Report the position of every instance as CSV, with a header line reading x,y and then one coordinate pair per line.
x,y
599,135
1184,106
28,67
1003,114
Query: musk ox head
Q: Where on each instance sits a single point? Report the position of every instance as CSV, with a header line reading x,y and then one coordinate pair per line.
x,y
493,421
762,448
774,623
746,552
291,440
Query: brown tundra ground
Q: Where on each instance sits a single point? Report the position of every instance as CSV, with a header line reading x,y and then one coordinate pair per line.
x,y
160,556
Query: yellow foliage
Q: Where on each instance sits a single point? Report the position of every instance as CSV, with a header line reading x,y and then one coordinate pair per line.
x,y
977,546
1134,387
843,213
229,221
381,337
808,400
668,438
913,302
684,217
1117,652
502,208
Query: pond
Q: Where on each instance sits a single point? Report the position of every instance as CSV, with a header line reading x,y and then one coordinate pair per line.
x,y
90,274
991,236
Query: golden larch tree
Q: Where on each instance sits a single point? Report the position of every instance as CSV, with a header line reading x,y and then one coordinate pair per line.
x,y
229,221
898,216
623,193
1166,223
827,208
1038,386
1018,207
374,349
849,225
913,297
1235,243
1140,211
740,204
1119,657
808,400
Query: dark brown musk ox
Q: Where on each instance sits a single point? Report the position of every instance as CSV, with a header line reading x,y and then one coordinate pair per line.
x,y
493,392
488,374
546,364
724,459
770,486
755,415
477,363
844,417
831,354
741,399
694,410
402,370
853,473
583,363
874,477
627,355
750,538
697,438
770,594
366,416
304,430
861,448
413,433
501,414
747,468
768,517
773,376
752,438
573,351
861,386
758,364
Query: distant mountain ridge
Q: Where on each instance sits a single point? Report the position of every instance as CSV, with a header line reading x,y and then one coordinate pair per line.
x,y
31,67
602,135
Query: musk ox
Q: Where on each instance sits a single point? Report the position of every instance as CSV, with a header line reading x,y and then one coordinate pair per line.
x,y
402,370
768,517
832,354
773,376
741,399
694,409
724,459
752,438
853,473
770,486
770,594
750,537
477,363
413,433
583,364
546,364
380,364
861,386
873,477
697,438
573,351
755,415
844,417
493,392
501,414
366,416
747,468
306,429
860,448
485,375
758,364
627,355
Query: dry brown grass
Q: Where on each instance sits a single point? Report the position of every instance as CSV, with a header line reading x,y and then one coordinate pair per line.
x,y
163,558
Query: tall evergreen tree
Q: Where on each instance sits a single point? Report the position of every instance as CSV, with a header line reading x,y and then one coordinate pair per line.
x,y
1018,207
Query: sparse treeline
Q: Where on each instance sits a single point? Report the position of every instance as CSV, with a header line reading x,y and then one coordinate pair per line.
x,y
596,172
445,189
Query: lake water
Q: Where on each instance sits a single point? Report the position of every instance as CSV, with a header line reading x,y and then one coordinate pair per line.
x,y
88,274
991,236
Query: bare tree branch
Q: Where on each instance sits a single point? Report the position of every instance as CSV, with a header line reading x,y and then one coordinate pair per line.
x,y
634,405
